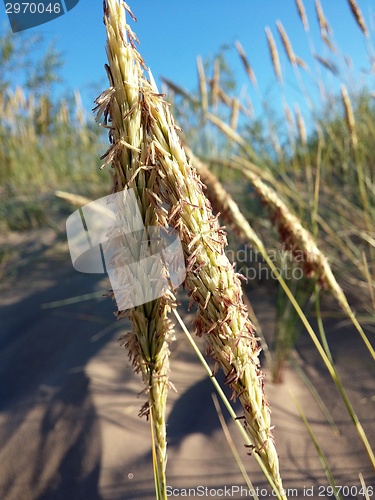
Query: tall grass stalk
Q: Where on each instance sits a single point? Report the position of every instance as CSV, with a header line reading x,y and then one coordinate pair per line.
x,y
319,450
249,70
363,484
123,113
296,237
358,16
277,492
310,386
228,207
232,446
274,55
302,14
146,153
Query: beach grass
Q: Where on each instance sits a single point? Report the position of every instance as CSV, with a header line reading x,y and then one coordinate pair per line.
x,y
298,183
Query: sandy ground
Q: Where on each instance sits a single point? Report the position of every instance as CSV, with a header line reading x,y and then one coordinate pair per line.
x,y
69,401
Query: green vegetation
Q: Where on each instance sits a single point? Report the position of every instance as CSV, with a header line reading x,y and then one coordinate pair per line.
x,y
318,164
46,142
308,192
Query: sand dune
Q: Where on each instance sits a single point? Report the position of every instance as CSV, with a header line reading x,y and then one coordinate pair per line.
x,y
69,402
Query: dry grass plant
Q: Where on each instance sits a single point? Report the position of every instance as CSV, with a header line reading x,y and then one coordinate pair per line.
x,y
146,155
335,233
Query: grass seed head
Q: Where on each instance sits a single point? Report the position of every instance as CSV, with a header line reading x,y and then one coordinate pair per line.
x,y
302,14
122,110
300,124
325,28
148,154
274,55
202,84
249,70
349,116
358,16
328,64
287,45
295,237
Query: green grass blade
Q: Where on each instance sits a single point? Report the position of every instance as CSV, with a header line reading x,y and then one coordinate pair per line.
x,y
319,450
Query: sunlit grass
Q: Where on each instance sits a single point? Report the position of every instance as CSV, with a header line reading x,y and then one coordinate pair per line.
x,y
299,181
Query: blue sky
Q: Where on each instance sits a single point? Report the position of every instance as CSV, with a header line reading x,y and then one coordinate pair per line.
x,y
173,33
